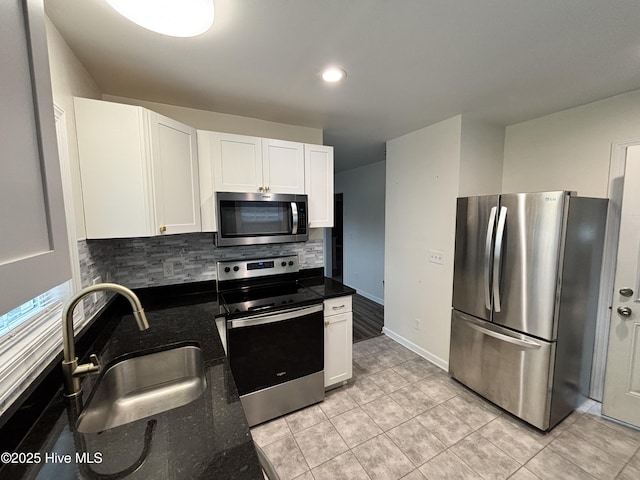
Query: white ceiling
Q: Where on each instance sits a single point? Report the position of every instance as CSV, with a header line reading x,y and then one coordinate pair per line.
x,y
410,63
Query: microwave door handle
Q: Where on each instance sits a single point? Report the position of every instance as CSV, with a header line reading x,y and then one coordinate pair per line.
x,y
294,218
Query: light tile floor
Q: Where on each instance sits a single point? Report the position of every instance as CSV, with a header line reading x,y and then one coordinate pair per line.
x,y
402,417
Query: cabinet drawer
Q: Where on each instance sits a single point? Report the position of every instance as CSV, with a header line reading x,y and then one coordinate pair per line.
x,y
333,306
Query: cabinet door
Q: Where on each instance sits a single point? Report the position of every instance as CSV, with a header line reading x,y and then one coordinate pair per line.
x,y
115,169
34,254
338,340
175,176
207,184
283,166
318,160
237,162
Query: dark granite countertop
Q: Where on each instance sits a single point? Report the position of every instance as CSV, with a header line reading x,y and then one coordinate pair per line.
x,y
207,438
326,287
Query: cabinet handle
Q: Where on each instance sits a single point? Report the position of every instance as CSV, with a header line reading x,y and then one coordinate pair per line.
x,y
338,307
326,323
163,229
267,188
260,189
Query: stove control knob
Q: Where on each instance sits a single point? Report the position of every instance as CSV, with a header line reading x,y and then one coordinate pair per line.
x,y
283,264
227,269
236,268
290,263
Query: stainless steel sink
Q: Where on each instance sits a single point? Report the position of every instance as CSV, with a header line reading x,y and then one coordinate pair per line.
x,y
142,386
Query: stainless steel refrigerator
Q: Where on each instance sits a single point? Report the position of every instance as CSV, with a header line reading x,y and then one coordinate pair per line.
x,y
526,281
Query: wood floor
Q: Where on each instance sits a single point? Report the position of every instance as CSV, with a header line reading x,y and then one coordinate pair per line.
x,y
368,318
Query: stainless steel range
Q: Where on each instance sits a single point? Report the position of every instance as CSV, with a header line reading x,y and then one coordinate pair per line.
x,y
274,332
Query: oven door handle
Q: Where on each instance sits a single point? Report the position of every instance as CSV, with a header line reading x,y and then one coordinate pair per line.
x,y
273,317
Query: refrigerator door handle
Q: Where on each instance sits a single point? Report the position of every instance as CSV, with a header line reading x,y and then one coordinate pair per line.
x,y
506,338
487,258
497,258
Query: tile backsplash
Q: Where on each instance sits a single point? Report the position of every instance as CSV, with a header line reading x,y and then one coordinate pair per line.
x,y
140,262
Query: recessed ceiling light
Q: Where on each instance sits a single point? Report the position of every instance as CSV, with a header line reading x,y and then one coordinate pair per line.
x,y
333,74
177,18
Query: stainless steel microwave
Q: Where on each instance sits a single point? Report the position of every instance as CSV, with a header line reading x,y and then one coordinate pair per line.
x,y
259,218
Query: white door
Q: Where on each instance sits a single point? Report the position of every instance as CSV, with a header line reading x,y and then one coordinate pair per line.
x,y
622,378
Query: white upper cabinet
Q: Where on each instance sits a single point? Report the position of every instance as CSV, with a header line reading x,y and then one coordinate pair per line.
x,y
239,163
318,160
139,171
252,164
283,166
236,160
174,158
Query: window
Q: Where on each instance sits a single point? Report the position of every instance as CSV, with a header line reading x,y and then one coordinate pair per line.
x,y
31,337
36,307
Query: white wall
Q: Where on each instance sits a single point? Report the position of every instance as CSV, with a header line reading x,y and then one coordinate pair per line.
x,y
426,171
481,158
68,79
222,122
363,192
422,179
569,150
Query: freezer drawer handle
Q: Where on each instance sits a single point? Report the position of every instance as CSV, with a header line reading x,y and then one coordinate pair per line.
x,y
497,258
487,258
506,338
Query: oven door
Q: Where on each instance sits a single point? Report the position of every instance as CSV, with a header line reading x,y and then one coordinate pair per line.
x,y
258,218
273,348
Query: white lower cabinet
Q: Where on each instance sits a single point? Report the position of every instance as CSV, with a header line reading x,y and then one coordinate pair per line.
x,y
338,341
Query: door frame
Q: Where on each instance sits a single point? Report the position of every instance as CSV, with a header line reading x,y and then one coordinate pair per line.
x,y
605,299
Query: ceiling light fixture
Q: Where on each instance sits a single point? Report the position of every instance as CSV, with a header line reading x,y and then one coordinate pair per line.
x,y
333,74
177,18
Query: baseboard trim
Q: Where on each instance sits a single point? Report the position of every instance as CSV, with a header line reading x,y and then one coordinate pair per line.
x,y
443,364
373,298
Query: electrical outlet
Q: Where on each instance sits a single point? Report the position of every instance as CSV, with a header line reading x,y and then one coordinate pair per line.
x,y
167,268
416,323
301,258
96,295
436,256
